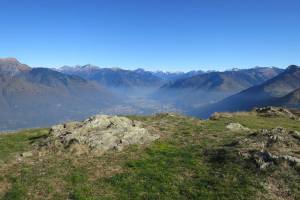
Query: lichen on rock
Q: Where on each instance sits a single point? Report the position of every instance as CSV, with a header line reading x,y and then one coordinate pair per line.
x,y
268,147
99,134
271,111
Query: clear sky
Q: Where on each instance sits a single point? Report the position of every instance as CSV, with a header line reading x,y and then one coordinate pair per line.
x,y
153,34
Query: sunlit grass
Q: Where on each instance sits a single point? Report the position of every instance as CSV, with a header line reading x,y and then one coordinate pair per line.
x,y
188,162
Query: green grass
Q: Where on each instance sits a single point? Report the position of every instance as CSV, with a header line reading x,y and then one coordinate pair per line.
x,y
17,192
12,143
257,122
168,172
190,161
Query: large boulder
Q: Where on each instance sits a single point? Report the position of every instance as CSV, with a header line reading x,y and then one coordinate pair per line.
x,y
99,134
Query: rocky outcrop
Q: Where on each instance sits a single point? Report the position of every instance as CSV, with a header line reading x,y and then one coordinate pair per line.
x,y
271,111
268,147
98,134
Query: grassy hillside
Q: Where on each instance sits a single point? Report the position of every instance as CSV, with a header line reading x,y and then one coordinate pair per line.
x,y
192,160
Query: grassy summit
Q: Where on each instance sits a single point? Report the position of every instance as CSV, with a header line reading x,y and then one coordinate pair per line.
x,y
191,160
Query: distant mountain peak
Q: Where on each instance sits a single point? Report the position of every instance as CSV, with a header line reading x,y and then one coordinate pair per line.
x,y
89,66
235,69
11,66
12,60
140,70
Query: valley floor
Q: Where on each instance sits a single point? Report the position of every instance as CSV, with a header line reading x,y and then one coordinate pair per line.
x,y
191,160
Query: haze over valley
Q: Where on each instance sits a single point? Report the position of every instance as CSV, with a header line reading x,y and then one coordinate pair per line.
x,y
72,93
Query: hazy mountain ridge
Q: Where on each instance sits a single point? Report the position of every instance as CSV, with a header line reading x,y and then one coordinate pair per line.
x,y
173,76
290,100
271,92
41,96
88,71
210,87
115,77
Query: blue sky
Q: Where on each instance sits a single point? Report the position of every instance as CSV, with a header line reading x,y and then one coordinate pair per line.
x,y
153,34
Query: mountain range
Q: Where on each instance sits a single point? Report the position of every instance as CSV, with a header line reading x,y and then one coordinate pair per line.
x,y
114,77
282,90
31,97
173,76
211,87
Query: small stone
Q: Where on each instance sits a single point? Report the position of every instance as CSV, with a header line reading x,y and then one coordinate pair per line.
x,y
219,115
26,154
236,127
295,134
